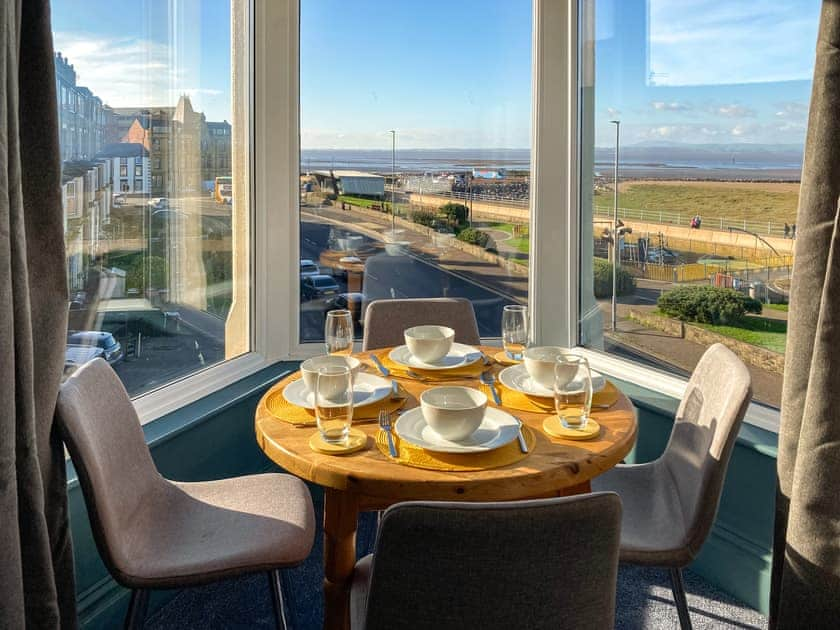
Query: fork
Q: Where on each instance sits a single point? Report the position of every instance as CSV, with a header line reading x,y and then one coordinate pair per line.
x,y
385,425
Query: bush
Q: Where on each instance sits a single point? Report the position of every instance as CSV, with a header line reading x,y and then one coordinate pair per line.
x,y
625,283
474,237
455,213
707,304
424,217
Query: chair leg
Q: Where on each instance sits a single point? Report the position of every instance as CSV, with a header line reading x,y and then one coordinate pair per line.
x,y
277,598
137,607
678,589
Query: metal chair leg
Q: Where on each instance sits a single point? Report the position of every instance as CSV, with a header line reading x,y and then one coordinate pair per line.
x,y
678,589
277,598
137,607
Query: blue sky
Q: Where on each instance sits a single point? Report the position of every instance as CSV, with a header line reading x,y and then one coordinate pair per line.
x,y
457,74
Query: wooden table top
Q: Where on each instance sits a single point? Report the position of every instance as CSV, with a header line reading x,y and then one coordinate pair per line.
x,y
552,465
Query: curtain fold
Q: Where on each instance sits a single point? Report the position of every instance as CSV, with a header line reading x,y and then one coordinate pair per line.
x,y
806,559
37,587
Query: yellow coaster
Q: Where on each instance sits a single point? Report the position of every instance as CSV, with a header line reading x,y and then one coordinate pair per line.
x,y
418,457
555,428
502,358
356,441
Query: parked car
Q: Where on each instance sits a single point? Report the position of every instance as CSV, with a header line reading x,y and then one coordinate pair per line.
x,y
76,356
353,302
663,256
308,268
318,286
111,349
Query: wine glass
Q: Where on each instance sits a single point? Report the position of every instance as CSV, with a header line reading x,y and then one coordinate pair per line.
x,y
572,391
334,403
338,332
515,330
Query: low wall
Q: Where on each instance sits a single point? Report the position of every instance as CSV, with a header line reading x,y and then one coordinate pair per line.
x,y
754,355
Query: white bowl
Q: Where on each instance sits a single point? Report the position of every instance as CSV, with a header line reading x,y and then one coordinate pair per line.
x,y
540,361
333,386
429,343
453,412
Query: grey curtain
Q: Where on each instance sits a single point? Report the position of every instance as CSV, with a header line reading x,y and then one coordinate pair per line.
x,y
36,573
806,571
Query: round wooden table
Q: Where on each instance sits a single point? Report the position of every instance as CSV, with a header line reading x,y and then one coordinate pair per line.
x,y
367,480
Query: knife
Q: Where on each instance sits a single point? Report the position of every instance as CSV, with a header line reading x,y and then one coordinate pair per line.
x,y
385,371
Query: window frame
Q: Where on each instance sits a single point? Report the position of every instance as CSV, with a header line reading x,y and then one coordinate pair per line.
x,y
554,297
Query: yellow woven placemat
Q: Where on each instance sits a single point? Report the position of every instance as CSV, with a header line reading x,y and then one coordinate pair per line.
x,y
522,402
412,455
283,410
468,371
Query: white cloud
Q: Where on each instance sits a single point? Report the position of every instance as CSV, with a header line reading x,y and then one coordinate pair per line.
x,y
673,106
733,111
612,112
714,42
794,110
136,72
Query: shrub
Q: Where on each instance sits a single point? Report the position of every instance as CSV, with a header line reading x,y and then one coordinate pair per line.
x,y
474,237
625,283
707,304
424,217
455,212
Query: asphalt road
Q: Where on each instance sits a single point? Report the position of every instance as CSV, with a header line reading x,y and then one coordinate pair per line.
x,y
402,276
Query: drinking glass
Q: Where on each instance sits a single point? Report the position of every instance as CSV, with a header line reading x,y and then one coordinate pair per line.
x,y
334,403
338,332
515,330
572,390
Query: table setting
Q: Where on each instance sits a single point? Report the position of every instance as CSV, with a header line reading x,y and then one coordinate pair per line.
x,y
439,404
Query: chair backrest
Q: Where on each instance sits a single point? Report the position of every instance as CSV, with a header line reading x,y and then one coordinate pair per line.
x,y
704,434
547,563
385,320
116,472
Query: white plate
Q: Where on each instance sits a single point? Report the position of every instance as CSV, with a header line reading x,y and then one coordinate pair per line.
x,y
459,356
516,378
367,389
496,429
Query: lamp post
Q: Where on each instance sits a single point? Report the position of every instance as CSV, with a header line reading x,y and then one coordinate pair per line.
x,y
393,133
615,252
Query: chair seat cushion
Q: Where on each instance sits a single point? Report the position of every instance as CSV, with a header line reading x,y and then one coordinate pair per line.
x,y
359,592
193,533
653,529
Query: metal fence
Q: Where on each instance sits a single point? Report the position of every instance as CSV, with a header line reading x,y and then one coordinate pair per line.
x,y
763,228
694,272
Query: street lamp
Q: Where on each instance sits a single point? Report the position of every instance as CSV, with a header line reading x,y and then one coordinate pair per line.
x,y
393,133
615,253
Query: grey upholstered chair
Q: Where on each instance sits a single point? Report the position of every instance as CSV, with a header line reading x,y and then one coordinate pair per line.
x,y
547,563
385,320
154,533
670,504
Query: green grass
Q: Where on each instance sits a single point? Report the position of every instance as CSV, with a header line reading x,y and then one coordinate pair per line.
x,y
758,331
711,201
522,245
777,307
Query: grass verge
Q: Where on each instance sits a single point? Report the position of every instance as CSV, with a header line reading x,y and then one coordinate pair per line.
x,y
770,334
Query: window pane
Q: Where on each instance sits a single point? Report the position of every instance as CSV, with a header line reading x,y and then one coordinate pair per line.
x,y
415,161
707,103
154,285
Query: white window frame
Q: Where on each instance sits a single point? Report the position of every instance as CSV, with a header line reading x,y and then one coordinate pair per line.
x,y
554,286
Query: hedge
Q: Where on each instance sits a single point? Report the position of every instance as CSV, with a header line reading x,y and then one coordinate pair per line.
x,y
626,284
707,305
424,217
474,237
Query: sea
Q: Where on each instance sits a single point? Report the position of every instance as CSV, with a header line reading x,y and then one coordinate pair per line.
x,y
736,162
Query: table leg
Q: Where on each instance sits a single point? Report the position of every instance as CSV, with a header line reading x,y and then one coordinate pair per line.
x,y
581,488
341,514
